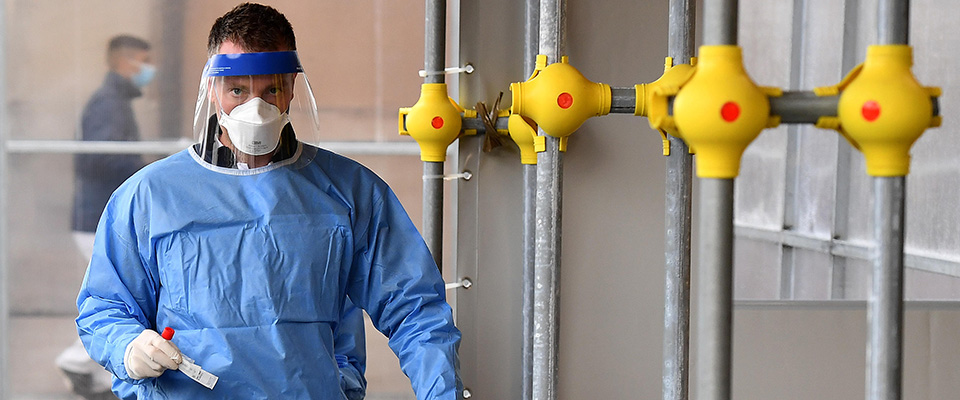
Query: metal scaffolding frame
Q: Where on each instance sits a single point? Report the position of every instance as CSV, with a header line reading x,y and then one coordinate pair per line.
x,y
678,211
434,55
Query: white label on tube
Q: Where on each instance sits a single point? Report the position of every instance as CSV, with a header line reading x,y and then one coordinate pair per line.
x,y
192,370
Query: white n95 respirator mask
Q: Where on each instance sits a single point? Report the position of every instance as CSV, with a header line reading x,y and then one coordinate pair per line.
x,y
254,127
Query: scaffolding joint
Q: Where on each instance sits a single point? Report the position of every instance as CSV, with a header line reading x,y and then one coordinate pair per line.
x,y
558,98
523,131
883,109
720,110
435,121
653,99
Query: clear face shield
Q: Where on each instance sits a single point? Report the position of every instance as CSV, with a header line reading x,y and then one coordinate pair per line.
x,y
248,106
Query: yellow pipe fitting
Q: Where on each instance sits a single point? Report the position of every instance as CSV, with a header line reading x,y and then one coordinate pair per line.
x,y
719,111
434,122
559,98
883,110
469,114
523,131
505,114
652,99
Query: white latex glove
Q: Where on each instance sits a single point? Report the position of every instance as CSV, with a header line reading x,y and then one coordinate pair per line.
x,y
149,355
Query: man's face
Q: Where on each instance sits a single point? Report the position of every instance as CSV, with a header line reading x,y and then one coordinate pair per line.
x,y
231,91
128,61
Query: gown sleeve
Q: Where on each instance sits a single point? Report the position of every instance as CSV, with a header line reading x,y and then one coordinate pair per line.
x,y
350,350
118,296
394,278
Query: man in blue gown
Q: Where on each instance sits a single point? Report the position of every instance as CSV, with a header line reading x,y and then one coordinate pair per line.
x,y
249,243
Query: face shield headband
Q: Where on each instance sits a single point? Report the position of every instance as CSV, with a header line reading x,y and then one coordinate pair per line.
x,y
249,96
273,62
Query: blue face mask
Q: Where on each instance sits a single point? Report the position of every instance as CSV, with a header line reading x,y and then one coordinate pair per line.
x,y
145,76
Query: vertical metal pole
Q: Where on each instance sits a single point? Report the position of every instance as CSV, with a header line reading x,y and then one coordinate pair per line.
x,y
531,44
715,279
529,257
679,191
849,59
433,210
885,306
435,39
547,258
893,21
720,22
4,264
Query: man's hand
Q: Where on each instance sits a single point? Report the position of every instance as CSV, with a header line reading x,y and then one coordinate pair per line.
x,y
149,355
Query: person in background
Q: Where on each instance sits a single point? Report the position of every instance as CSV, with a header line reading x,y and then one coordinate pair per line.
x,y
107,116
251,243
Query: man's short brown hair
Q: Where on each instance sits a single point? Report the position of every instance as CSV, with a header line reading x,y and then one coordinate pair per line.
x,y
253,27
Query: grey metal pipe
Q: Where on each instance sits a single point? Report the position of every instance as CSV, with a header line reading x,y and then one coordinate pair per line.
x,y
5,391
623,100
531,46
678,198
477,124
885,305
546,296
433,210
715,326
803,107
434,60
715,298
720,22
531,36
435,40
529,258
793,107
885,308
552,29
893,21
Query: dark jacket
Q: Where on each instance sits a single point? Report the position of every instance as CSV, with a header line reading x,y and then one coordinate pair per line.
x,y
108,115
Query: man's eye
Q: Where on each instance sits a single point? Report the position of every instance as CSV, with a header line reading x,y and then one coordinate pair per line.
x,y
236,91
274,90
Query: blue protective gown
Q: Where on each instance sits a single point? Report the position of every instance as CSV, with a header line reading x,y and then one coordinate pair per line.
x,y
252,268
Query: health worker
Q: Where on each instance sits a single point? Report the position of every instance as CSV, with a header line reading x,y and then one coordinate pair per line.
x,y
249,243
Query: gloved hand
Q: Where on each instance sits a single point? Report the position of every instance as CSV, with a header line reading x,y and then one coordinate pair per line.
x,y
149,355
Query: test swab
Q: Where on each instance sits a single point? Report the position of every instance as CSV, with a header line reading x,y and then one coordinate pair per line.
x,y
190,368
